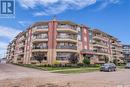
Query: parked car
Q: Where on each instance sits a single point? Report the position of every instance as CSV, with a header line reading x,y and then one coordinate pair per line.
x,y
108,67
127,66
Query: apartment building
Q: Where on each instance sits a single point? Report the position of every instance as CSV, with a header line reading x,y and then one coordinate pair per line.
x,y
126,52
57,40
105,46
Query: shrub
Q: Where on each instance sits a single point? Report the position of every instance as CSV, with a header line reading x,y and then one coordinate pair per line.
x,y
97,65
80,64
86,61
57,64
74,58
39,57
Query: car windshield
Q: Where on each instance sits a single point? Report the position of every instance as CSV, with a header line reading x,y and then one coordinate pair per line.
x,y
106,65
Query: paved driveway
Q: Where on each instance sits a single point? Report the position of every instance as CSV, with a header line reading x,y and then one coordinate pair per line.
x,y
16,76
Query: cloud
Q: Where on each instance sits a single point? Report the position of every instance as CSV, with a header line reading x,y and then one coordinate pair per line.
x,y
51,7
7,33
2,53
24,23
105,3
3,45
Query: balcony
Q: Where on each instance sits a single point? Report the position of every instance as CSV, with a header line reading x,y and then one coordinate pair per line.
x,y
67,38
99,37
40,39
21,45
23,38
100,52
21,52
67,47
20,58
40,29
100,44
63,56
39,48
66,28
63,48
117,49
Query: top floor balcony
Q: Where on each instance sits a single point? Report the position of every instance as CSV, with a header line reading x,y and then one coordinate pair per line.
x,y
40,29
67,28
100,37
100,44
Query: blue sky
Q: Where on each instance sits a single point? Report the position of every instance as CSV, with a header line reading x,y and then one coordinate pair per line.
x,y
111,16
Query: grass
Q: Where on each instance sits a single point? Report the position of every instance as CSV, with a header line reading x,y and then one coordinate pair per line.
x,y
64,70
78,70
121,67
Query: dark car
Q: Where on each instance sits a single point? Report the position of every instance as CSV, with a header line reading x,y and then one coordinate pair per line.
x,y
127,66
108,67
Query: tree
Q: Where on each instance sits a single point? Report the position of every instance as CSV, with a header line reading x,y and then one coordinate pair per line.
x,y
86,60
74,58
115,61
106,59
39,57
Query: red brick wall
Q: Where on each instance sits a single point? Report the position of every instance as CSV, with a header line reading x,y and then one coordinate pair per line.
x,y
85,35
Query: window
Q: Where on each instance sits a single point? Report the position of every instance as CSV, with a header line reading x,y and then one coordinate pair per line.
x,y
63,56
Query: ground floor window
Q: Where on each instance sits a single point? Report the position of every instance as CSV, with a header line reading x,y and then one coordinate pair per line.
x,y
63,56
39,53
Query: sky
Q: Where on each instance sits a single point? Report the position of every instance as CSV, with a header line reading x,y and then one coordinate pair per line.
x,y
110,16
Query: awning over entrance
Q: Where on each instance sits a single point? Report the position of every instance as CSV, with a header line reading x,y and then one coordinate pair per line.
x,y
85,51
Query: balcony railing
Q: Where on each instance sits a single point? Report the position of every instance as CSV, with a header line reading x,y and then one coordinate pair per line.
x,y
100,43
66,37
100,51
101,37
40,47
66,47
21,52
40,27
20,58
22,38
45,37
67,27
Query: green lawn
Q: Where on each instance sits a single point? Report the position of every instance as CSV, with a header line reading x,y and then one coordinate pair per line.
x,y
121,67
65,70
76,70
